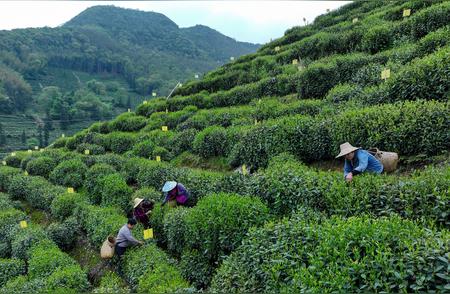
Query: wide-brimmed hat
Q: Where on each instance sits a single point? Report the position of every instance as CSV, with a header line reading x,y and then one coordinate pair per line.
x,y
169,186
137,201
346,148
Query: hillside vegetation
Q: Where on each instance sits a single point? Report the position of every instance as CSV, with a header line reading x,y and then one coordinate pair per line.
x,y
279,224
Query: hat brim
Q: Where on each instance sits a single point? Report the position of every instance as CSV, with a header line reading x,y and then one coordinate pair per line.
x,y
345,152
169,187
137,204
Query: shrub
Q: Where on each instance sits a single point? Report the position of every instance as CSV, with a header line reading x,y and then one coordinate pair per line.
x,y
433,41
41,166
69,173
217,225
65,204
26,238
9,224
127,122
148,193
342,93
368,75
182,141
144,148
157,222
119,142
138,261
46,258
336,255
174,230
114,160
161,152
111,283
68,277
163,278
115,192
100,222
92,182
64,234
154,174
212,141
22,284
10,268
15,160
93,149
5,201
59,143
6,175
377,38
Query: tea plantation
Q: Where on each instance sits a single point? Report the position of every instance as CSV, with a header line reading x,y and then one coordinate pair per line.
x,y
374,73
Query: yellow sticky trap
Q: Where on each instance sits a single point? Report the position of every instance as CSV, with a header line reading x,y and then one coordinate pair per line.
x,y
129,110
259,100
244,170
277,48
385,74
36,147
13,153
256,121
23,224
63,135
232,58
295,61
148,234
4,162
154,94
70,190
145,102
406,12
164,128
181,85
196,76
87,152
25,173
167,110
42,149
355,20
158,158
29,151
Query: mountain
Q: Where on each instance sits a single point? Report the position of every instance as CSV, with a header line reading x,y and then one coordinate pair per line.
x,y
100,63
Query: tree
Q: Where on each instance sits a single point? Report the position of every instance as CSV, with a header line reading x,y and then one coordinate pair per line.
x,y
47,128
2,136
40,137
23,138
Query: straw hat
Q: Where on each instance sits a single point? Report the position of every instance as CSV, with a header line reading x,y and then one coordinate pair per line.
x,y
169,186
346,148
137,201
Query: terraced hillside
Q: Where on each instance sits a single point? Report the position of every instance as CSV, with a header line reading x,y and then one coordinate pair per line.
x,y
371,73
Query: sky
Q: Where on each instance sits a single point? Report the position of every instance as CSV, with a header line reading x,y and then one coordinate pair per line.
x,y
249,21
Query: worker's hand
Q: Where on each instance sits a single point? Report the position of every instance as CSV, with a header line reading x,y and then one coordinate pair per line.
x,y
349,177
148,212
141,243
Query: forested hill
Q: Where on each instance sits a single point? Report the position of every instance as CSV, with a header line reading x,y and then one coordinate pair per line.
x,y
103,61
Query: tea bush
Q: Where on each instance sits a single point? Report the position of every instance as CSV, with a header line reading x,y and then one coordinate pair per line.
x,y
24,239
127,122
46,259
119,142
212,141
15,160
68,277
111,283
174,228
92,181
41,166
163,278
144,148
149,194
217,225
10,268
64,234
65,204
70,173
352,255
9,224
92,148
22,284
115,192
6,174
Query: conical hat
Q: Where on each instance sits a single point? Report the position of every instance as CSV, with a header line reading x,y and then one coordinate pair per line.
x,y
346,148
169,186
137,201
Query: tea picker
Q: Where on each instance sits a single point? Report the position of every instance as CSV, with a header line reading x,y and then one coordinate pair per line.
x,y
358,161
175,194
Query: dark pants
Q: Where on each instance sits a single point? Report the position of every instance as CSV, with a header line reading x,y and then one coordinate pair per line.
x,y
120,250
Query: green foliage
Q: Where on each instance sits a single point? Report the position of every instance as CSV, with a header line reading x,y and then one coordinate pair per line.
x,y
9,224
377,38
92,182
162,279
342,93
92,148
128,122
70,277
46,259
100,222
15,160
65,204
174,230
10,268
433,41
212,141
22,284
296,255
149,194
162,152
144,148
5,202
64,234
216,227
118,142
41,166
70,173
111,283
6,174
26,238
115,192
